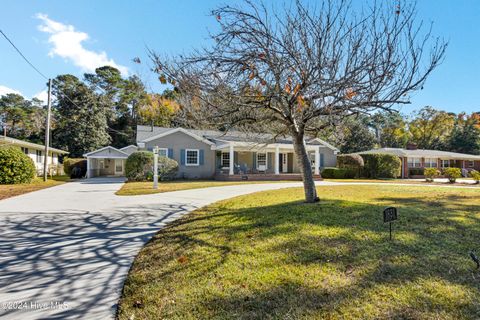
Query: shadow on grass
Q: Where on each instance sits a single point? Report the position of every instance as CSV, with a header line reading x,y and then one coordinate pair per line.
x,y
324,260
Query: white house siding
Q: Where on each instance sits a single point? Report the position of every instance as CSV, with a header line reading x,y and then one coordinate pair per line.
x,y
38,161
178,141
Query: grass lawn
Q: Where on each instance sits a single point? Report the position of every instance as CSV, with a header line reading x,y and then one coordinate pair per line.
x,y
139,188
11,190
271,256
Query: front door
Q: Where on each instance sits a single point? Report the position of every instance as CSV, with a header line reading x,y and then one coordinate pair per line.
x,y
118,167
284,159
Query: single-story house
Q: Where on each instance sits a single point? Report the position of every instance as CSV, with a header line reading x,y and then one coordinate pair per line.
x,y
36,152
232,155
108,161
415,160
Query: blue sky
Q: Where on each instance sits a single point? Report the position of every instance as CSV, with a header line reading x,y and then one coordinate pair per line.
x,y
85,33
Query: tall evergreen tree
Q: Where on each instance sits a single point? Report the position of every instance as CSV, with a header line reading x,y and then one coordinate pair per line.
x,y
81,125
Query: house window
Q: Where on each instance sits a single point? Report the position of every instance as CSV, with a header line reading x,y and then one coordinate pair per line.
x,y
445,163
163,152
430,163
470,164
261,161
191,157
414,162
225,159
39,156
25,150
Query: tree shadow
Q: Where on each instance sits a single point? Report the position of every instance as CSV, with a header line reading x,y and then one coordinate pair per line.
x,y
77,257
341,247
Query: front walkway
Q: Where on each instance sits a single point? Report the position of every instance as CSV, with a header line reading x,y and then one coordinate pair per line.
x,y
74,243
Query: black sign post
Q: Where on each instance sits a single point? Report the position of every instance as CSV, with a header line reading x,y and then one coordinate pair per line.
x,y
389,215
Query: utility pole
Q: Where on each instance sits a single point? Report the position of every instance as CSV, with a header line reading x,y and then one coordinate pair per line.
x,y
47,130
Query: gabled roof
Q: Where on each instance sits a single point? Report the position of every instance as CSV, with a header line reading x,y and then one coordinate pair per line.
x,y
111,152
423,153
175,130
221,138
16,142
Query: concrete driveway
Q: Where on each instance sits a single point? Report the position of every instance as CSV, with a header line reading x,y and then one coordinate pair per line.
x,y
65,251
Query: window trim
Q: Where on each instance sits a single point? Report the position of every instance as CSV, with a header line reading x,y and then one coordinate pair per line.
x,y
266,159
415,159
39,155
430,162
470,163
222,159
163,149
198,158
442,161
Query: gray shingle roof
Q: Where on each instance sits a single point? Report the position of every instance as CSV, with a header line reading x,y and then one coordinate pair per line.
x,y
217,137
423,153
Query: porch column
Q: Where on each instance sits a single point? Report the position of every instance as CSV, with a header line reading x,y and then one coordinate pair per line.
x,y
317,160
277,160
89,166
232,159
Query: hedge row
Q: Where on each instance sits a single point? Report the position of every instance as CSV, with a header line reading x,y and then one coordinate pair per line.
x,y
75,167
366,165
139,167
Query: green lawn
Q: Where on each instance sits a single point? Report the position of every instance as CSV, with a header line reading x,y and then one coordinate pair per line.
x,y
271,256
139,188
11,190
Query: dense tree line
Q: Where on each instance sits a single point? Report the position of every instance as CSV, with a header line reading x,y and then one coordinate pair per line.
x,y
427,128
102,108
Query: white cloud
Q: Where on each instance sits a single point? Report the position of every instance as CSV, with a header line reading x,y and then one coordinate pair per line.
x,y
42,95
5,90
68,44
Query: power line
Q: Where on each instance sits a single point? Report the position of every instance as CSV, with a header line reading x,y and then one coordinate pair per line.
x,y
21,54
46,78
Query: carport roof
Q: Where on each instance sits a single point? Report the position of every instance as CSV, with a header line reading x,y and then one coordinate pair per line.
x,y
108,152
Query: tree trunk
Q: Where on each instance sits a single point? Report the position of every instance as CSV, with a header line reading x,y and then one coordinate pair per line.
x,y
305,168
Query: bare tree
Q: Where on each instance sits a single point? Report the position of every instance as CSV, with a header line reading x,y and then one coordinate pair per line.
x,y
295,70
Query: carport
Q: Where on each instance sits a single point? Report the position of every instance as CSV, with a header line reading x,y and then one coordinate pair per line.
x,y
108,161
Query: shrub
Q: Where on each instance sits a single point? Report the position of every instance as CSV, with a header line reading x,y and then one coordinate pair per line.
x,y
378,165
353,162
75,167
338,173
430,174
138,164
475,175
15,166
167,168
452,174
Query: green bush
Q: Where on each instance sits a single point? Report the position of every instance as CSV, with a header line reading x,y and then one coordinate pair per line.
x,y
138,164
75,167
15,166
431,173
353,162
338,173
452,174
475,175
167,168
379,165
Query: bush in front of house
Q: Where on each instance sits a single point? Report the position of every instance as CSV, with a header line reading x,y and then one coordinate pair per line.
x,y
15,166
379,165
75,167
430,174
167,168
353,162
138,165
475,175
338,173
452,174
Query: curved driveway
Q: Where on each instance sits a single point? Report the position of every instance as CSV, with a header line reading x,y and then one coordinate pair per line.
x,y
65,251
